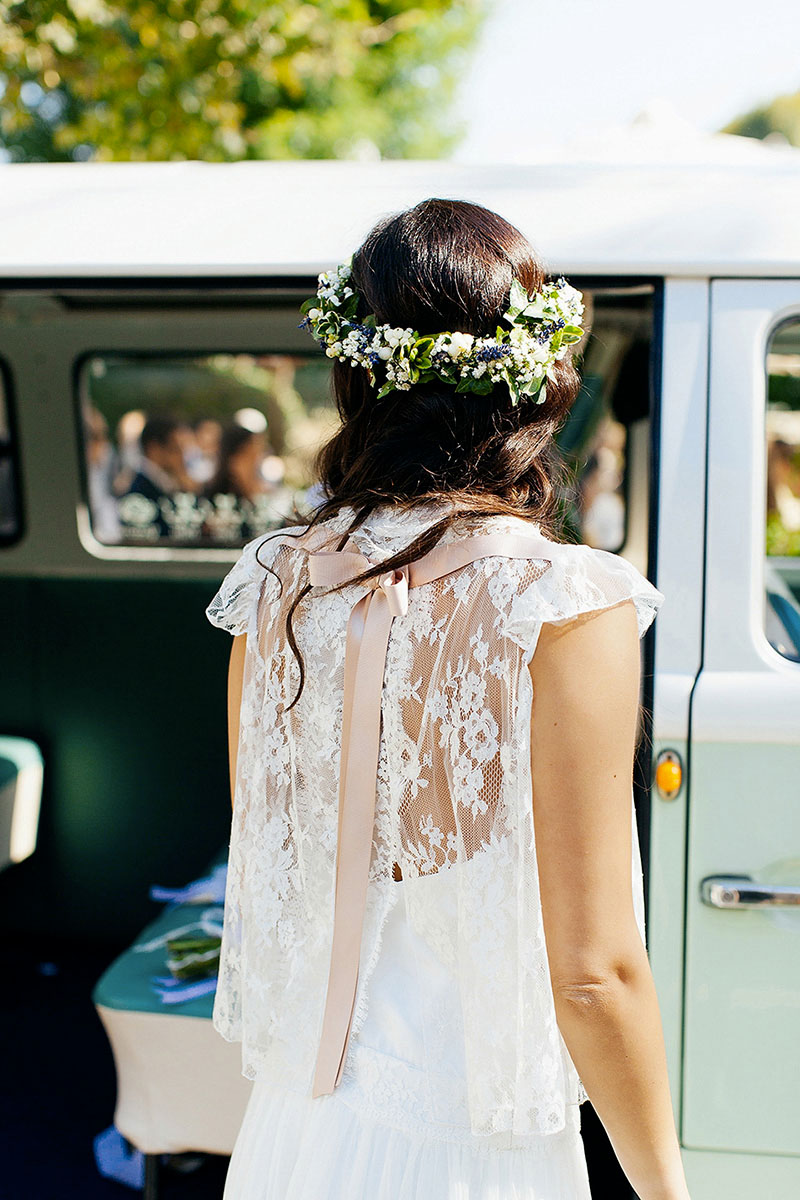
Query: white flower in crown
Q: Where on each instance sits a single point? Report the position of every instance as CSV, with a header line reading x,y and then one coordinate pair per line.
x,y
462,343
542,329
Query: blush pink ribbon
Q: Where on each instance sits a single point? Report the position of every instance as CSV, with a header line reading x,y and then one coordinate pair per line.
x,y
368,631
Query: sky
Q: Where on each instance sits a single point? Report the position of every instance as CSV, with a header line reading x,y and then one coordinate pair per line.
x,y
548,72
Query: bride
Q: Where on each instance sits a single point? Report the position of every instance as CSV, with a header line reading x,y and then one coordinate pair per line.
x,y
434,944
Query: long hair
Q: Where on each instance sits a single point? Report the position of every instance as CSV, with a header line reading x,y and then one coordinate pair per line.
x,y
441,265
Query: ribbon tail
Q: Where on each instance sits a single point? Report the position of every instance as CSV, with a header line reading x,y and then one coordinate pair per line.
x,y
368,635
355,634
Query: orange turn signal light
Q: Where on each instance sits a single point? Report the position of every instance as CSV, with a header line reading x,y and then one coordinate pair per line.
x,y
669,774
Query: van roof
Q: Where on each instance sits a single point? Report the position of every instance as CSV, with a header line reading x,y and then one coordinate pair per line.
x,y
739,215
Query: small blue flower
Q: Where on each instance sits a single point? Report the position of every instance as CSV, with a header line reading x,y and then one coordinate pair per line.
x,y
492,353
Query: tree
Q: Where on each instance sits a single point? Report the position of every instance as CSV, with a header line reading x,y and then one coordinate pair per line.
x,y
231,79
781,117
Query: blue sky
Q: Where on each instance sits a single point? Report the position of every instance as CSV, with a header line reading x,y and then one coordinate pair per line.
x,y
548,71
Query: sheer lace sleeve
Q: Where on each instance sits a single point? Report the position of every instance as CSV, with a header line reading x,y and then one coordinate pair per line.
x,y
234,605
581,579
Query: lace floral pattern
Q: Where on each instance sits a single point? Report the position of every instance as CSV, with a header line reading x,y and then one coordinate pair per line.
x,y
453,818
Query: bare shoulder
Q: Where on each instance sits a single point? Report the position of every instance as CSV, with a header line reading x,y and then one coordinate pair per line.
x,y
604,639
586,675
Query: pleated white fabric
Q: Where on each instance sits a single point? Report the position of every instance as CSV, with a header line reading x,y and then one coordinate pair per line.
x,y
344,1146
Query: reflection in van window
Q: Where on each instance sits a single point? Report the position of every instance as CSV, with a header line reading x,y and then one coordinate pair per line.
x,y
9,493
782,612
201,451
600,501
612,406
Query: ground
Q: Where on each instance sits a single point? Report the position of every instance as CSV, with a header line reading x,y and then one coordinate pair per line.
x,y
58,1082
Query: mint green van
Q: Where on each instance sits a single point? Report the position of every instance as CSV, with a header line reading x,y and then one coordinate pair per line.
x,y
128,291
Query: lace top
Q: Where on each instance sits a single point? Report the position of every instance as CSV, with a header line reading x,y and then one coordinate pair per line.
x,y
453,817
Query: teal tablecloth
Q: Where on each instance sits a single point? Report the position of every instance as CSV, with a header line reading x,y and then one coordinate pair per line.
x,y
127,985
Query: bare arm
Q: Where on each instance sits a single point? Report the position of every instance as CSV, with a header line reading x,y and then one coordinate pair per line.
x,y
235,677
586,696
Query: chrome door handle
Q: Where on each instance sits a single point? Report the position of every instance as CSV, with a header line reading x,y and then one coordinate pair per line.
x,y
741,891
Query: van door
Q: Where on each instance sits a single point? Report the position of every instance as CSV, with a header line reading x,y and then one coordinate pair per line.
x,y
741,1058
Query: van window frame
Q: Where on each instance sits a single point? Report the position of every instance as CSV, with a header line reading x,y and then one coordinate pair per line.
x,y
132,293
7,400
791,661
164,551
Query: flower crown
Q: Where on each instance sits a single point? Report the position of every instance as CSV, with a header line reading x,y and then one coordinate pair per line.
x,y
543,326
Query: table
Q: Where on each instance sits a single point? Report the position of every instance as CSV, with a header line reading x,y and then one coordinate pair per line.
x,y
179,1083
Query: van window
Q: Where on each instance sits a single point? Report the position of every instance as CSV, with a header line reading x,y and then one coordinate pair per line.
x,y
782,576
10,517
605,440
204,450
211,450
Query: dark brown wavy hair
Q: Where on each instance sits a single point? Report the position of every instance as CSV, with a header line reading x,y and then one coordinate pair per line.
x,y
441,265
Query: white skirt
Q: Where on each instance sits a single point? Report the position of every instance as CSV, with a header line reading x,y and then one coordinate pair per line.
x,y
335,1147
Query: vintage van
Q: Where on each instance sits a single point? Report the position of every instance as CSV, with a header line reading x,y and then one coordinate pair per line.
x,y
132,290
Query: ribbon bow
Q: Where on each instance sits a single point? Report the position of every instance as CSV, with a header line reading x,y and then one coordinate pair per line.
x,y
368,631
329,568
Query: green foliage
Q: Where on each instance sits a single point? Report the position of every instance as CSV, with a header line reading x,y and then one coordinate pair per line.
x,y
781,116
223,80
784,392
780,540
